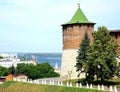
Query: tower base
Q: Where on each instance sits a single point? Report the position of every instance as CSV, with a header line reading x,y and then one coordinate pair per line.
x,y
68,69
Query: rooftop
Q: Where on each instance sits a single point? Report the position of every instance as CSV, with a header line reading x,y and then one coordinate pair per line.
x,y
118,30
79,17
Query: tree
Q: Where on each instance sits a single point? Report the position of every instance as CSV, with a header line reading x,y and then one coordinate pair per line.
x,y
1,57
82,54
3,71
27,69
21,68
11,70
36,71
45,70
101,59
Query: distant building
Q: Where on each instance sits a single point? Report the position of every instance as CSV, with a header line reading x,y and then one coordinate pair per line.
x,y
20,77
8,64
56,68
2,79
12,60
9,77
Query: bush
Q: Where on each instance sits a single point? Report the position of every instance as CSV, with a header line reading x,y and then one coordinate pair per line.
x,y
3,71
82,81
43,70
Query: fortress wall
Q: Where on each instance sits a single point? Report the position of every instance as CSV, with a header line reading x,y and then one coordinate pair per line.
x,y
73,35
68,64
116,35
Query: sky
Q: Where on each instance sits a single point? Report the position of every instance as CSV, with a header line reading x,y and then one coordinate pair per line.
x,y
35,25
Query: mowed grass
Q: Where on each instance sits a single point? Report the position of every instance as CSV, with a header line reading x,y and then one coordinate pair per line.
x,y
27,87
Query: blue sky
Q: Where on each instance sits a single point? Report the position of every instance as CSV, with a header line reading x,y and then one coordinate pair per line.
x,y
35,25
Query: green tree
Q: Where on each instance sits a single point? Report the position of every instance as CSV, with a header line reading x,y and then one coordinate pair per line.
x,y
82,54
101,59
21,68
3,71
11,70
1,57
36,71
45,70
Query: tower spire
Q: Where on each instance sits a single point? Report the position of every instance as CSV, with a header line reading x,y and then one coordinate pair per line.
x,y
78,5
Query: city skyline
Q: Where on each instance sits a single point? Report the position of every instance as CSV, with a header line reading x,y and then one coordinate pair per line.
x,y
35,25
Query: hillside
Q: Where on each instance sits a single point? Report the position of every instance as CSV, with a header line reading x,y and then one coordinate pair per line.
x,y
26,87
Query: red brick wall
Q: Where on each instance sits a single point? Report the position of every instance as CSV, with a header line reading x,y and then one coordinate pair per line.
x,y
73,35
116,35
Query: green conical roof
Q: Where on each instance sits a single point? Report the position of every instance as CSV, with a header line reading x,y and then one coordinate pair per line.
x,y
79,17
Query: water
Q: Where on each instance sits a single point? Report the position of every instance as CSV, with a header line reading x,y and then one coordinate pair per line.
x,y
51,58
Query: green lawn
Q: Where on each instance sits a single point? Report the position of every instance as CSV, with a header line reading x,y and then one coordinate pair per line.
x,y
27,87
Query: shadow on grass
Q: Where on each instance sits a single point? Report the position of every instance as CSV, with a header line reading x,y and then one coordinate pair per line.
x,y
106,82
109,82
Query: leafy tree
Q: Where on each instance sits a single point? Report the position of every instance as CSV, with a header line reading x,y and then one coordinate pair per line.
x,y
46,70
101,59
11,70
3,71
1,57
21,68
27,69
82,54
36,71
32,72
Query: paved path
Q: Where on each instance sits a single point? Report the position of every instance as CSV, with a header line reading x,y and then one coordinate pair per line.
x,y
51,79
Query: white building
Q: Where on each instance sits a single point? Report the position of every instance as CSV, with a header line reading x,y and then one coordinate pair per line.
x,y
56,68
12,60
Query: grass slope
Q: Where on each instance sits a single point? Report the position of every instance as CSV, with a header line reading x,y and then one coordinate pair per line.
x,y
26,87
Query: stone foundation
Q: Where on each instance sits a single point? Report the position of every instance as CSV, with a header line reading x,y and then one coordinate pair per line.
x,y
68,69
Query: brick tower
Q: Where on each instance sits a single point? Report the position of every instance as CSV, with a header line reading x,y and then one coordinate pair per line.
x,y
73,33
